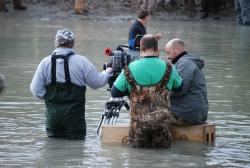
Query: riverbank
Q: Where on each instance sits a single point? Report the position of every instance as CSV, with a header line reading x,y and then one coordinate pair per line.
x,y
103,10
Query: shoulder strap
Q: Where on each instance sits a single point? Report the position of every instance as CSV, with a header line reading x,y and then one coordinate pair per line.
x,y
130,78
66,67
166,76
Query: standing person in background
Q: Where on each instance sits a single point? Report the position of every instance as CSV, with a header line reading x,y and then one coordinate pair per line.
x,y
61,81
210,6
17,5
190,106
2,82
138,29
242,8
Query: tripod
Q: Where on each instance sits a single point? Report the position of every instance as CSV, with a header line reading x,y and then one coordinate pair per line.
x,y
111,112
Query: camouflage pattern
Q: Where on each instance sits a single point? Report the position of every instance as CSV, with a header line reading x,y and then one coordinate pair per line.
x,y
150,113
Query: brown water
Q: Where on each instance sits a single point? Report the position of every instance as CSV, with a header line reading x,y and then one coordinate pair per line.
x,y
23,142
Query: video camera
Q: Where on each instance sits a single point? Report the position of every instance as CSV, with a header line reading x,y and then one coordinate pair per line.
x,y
121,57
118,59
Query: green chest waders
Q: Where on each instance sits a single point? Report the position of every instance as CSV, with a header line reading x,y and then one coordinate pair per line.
x,y
65,103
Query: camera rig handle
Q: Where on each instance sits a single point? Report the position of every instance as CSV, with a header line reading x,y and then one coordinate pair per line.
x,y
111,112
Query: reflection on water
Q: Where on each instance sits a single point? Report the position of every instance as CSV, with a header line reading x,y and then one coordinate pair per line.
x,y
23,141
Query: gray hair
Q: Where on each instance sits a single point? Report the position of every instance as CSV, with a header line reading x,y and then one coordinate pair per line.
x,y
175,43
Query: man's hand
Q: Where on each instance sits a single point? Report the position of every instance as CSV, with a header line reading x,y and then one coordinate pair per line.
x,y
158,36
109,70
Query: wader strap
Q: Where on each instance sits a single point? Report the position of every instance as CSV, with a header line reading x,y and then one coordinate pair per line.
x,y
130,78
66,70
53,69
166,77
66,67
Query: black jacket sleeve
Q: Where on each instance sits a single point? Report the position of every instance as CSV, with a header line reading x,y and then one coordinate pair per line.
x,y
117,93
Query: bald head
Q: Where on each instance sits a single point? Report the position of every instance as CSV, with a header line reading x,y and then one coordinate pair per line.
x,y
174,47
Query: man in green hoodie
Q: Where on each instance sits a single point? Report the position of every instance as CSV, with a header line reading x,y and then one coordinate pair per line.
x,y
148,82
190,106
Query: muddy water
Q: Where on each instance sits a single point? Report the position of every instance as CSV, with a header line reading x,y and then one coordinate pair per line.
x,y
23,140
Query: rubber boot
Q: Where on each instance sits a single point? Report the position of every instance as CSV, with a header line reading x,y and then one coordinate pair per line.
x,y
2,6
18,5
204,8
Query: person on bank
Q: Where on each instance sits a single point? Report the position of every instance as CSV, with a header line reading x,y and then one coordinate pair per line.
x,y
190,106
210,6
61,81
242,8
147,81
17,5
138,29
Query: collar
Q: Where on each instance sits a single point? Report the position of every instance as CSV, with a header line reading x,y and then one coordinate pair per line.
x,y
179,56
151,56
63,51
139,23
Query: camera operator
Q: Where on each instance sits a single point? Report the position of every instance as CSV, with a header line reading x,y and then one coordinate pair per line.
x,y
141,78
146,71
61,80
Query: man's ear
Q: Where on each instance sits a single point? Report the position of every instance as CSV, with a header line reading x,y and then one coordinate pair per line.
x,y
141,51
158,52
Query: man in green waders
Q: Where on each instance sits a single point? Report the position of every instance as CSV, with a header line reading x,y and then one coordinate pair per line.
x,y
148,81
61,80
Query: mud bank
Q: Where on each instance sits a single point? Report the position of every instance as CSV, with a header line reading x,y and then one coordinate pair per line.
x,y
105,10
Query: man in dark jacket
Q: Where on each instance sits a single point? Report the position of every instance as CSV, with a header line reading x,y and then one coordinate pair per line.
x,y
191,104
138,29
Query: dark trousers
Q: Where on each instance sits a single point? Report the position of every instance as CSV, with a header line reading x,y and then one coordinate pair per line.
x,y
210,6
16,4
242,8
